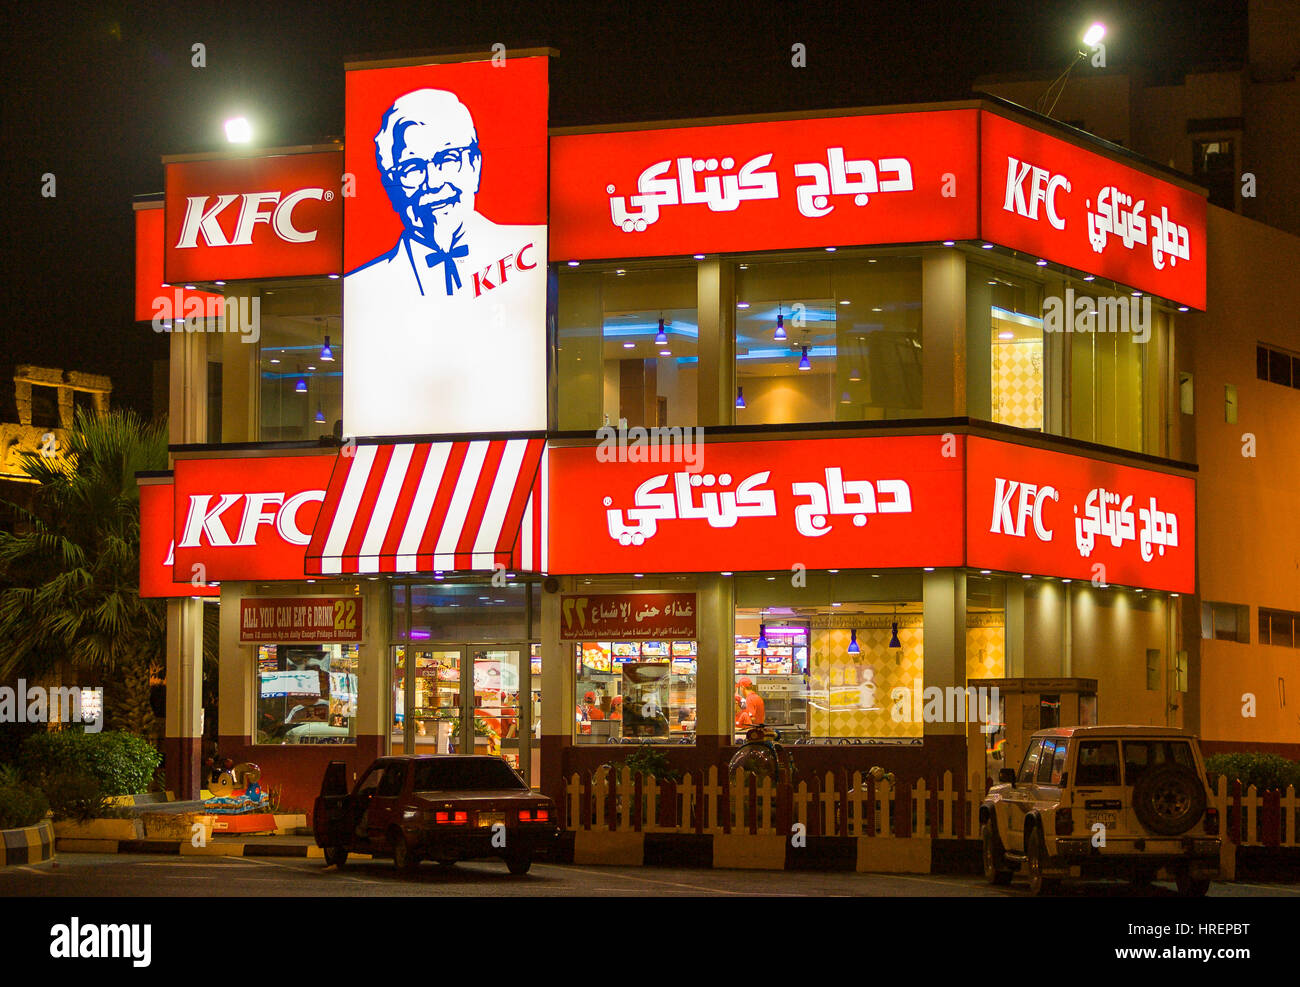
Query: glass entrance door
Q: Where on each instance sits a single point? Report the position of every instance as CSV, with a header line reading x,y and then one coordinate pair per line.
x,y
498,717
427,707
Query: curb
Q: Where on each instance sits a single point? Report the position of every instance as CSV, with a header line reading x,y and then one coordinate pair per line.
x,y
28,845
184,848
148,798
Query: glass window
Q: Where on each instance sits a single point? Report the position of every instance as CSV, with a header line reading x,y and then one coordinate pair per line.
x,y
301,362
457,774
373,779
307,694
1029,766
635,691
627,347
470,612
1142,755
1279,629
1213,166
394,776
1098,763
837,339
1048,758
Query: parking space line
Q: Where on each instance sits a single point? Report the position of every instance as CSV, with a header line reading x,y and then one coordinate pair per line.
x,y
628,877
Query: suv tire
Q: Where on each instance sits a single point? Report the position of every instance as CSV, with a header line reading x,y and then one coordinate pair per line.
x,y
1037,859
1190,887
335,857
995,870
1169,799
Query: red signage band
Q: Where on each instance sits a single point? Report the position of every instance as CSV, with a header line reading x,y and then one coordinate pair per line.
x,y
158,578
279,215
248,518
1047,197
300,620
883,178
154,298
628,617
1051,513
841,502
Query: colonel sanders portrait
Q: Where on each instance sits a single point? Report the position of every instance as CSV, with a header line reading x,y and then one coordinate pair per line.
x,y
451,320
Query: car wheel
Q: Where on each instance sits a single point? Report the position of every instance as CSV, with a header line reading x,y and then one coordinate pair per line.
x,y
1143,876
404,858
1190,887
1169,799
1037,853
335,856
446,863
519,865
993,873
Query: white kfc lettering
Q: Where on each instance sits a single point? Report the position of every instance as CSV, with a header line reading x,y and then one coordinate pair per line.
x,y
1029,507
202,220
287,523
1043,187
204,519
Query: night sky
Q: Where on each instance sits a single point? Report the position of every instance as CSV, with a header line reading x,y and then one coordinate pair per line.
x,y
96,93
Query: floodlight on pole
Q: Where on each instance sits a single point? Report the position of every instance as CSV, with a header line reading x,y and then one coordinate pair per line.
x,y
239,130
1090,40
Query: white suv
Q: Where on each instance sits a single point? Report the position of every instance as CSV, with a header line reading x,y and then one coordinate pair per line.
x,y
1103,802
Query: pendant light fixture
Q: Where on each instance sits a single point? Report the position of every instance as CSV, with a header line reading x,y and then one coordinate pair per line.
x,y
854,376
320,416
853,642
894,642
326,353
740,397
762,637
301,386
779,335
804,362
661,338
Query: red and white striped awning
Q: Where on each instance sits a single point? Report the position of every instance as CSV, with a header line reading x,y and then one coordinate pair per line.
x,y
433,507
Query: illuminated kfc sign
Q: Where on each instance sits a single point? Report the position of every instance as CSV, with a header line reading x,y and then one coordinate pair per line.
x,y
1052,513
248,518
238,218
158,575
444,294
860,503
883,178
1060,202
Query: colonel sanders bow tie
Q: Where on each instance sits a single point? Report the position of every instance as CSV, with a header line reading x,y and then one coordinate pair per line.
x,y
447,258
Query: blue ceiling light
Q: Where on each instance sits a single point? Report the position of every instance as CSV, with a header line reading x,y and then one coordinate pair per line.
x,y
327,354
780,328
740,397
762,637
320,416
804,362
853,642
894,642
661,338
301,386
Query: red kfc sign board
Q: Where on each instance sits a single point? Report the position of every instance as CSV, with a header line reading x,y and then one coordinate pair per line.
x,y
248,518
300,620
153,297
853,502
1047,197
884,178
157,578
628,616
1055,514
239,218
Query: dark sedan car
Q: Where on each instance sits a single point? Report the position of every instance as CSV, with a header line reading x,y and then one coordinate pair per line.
x,y
444,808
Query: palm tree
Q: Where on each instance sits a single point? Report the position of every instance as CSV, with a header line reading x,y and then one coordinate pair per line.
x,y
70,582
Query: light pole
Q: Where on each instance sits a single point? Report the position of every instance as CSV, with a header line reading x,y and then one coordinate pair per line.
x,y
1091,38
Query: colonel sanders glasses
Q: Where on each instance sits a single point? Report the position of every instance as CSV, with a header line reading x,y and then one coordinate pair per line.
x,y
413,172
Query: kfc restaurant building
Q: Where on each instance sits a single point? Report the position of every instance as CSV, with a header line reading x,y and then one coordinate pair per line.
x,y
546,444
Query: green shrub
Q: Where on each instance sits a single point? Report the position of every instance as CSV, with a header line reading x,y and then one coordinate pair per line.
x,y
647,760
75,796
121,763
1261,770
21,805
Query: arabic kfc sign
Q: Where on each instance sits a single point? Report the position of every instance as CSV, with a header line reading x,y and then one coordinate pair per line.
x,y
157,575
627,616
860,502
884,178
300,620
1047,197
248,518
444,294
239,218
1051,513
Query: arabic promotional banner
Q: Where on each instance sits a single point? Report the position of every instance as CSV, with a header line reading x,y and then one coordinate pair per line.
x,y
157,572
248,518
884,178
827,503
1054,514
444,291
627,616
271,216
1048,197
300,620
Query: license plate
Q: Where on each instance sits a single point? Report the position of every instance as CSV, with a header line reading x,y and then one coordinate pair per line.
x,y
485,819
1107,819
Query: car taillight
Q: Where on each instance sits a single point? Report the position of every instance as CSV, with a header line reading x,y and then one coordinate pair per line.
x,y
1064,821
539,815
451,818
1212,821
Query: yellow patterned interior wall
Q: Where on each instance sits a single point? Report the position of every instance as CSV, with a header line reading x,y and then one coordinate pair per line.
x,y
1018,382
836,682
986,647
